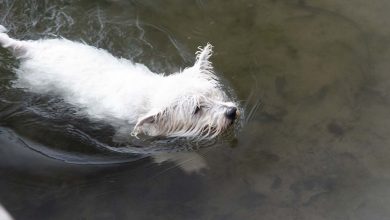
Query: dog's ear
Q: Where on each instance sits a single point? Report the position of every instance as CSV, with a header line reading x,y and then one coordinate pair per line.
x,y
202,59
148,119
139,127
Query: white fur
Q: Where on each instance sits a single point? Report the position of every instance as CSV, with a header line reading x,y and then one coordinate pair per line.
x,y
4,215
116,89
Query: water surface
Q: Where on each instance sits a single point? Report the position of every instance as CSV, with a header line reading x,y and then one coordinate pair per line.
x,y
313,76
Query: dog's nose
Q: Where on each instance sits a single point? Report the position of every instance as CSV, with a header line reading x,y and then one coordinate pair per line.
x,y
231,113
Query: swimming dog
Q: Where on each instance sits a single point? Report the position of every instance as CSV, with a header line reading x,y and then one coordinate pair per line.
x,y
190,103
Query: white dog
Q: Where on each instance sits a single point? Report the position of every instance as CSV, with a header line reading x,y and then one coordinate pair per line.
x,y
190,103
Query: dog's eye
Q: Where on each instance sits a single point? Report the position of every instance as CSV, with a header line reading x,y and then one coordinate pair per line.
x,y
197,109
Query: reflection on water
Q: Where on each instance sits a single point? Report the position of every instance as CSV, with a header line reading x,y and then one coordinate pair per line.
x,y
314,77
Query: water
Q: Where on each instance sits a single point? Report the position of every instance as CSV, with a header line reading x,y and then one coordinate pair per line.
x,y
313,77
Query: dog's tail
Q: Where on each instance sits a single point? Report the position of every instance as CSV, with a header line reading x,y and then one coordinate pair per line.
x,y
17,47
2,29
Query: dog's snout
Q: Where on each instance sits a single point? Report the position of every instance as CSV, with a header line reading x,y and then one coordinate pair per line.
x,y
231,113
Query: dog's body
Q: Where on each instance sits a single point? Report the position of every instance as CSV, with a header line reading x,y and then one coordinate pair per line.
x,y
190,103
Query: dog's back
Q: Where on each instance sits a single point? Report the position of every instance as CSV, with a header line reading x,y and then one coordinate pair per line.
x,y
82,75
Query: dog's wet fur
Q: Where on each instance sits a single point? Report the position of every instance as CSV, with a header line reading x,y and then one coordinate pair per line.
x,y
190,103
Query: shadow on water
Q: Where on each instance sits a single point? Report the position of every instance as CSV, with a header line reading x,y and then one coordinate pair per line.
x,y
311,76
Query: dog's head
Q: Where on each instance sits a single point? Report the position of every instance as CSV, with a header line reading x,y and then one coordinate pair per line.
x,y
190,104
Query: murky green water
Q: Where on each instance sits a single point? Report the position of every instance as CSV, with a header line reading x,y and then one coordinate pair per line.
x,y
318,148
